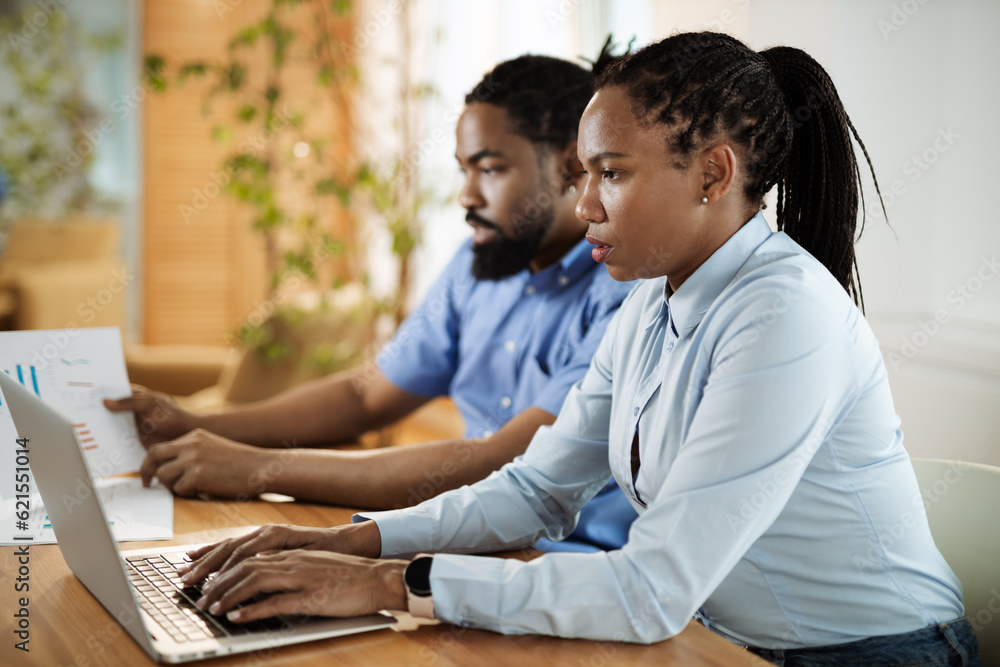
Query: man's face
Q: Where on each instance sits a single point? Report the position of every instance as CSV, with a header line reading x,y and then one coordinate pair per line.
x,y
507,192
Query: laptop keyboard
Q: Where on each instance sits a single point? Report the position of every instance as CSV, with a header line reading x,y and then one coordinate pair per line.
x,y
172,604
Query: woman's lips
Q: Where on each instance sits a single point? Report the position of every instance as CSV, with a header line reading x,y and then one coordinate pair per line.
x,y
601,251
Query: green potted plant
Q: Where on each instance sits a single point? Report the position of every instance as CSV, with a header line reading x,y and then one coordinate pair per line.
x,y
313,199
48,127
59,241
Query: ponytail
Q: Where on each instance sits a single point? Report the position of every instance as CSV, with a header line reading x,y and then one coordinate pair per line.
x,y
819,182
782,108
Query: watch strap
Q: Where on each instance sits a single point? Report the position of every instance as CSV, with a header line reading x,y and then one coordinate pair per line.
x,y
419,600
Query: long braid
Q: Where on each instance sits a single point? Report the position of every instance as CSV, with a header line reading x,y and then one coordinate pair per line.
x,y
782,109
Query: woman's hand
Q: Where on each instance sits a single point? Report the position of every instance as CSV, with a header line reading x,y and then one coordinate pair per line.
x,y
298,566
318,583
360,539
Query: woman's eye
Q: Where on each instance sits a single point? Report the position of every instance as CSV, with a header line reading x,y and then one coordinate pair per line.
x,y
609,175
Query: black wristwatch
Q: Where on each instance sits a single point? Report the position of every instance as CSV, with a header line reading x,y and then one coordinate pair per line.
x,y
417,577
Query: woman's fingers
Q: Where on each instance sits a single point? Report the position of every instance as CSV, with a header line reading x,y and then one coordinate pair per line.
x,y
208,559
304,582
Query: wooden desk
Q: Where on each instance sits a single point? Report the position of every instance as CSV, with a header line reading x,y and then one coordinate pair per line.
x,y
69,627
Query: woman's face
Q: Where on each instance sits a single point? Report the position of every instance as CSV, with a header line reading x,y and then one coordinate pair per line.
x,y
645,216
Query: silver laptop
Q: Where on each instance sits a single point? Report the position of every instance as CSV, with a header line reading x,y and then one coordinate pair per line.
x,y
141,588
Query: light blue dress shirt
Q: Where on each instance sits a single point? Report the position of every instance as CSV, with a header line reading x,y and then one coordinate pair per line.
x,y
499,347
775,498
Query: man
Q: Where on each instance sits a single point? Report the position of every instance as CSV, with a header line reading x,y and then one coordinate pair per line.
x,y
507,329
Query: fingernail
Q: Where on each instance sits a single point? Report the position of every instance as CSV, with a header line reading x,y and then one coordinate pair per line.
x,y
201,602
214,609
234,615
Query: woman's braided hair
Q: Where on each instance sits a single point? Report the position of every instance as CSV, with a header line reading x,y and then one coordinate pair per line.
x,y
781,110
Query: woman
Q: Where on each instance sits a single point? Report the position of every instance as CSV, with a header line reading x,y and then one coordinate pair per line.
x,y
739,399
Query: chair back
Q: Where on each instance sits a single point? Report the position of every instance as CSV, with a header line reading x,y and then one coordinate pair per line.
x,y
31,242
963,509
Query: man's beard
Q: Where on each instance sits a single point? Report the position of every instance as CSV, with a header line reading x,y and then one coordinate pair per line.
x,y
505,256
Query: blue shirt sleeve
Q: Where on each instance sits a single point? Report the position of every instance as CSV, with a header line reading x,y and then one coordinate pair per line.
x,y
422,356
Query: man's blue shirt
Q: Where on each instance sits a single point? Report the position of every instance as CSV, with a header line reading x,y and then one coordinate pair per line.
x,y
499,347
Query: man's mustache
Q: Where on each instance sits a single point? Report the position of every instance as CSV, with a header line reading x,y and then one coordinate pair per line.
x,y
472,216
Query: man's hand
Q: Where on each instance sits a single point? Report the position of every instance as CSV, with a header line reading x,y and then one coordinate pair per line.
x,y
157,416
202,463
318,583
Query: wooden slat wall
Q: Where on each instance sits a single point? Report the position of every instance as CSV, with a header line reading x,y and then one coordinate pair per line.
x,y
203,275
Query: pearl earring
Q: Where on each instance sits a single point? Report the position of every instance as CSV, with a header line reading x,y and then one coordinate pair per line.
x,y
704,200
572,189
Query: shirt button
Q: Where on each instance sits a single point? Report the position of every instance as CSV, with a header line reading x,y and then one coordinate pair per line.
x,y
505,402
564,280
670,346
510,346
635,411
529,290
487,433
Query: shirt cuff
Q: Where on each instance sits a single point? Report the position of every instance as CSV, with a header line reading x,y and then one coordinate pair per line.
x,y
466,590
404,533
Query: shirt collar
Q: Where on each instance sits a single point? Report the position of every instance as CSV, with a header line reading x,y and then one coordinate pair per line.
x,y
689,304
568,269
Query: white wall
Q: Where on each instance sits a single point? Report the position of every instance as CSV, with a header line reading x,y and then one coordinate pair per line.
x,y
920,82
917,76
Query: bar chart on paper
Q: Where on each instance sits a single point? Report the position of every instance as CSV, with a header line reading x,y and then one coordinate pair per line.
x,y
73,371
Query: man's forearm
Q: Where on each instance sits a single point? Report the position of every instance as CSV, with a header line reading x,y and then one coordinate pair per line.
x,y
376,479
330,409
397,477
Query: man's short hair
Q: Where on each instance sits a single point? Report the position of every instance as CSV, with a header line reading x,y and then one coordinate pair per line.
x,y
544,97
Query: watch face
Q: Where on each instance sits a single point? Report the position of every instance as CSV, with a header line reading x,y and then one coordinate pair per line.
x,y
417,576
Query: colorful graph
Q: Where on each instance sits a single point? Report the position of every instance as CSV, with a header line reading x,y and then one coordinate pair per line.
x,y
32,376
84,435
